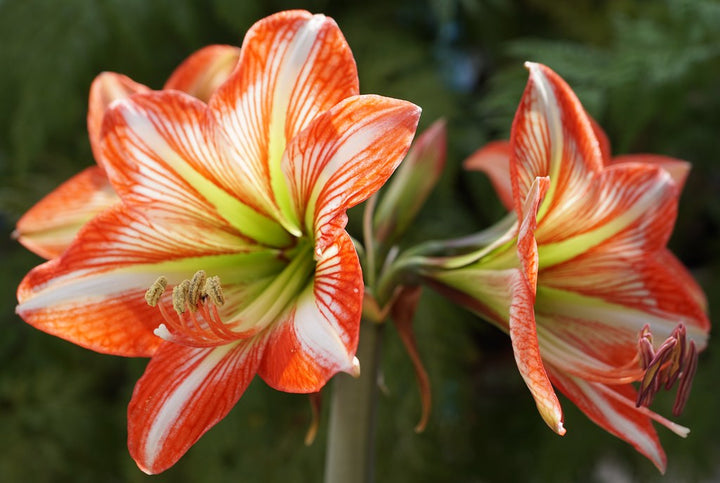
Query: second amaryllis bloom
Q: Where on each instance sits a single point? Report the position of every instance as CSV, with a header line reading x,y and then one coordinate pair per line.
x,y
227,255
579,275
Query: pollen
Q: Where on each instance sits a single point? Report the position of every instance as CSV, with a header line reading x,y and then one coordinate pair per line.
x,y
195,291
180,296
214,291
153,294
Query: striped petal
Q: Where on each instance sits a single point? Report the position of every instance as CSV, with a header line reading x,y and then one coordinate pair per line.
x,y
293,66
160,158
631,205
676,168
106,88
183,393
552,136
204,71
319,336
613,409
523,331
49,227
93,295
345,156
493,159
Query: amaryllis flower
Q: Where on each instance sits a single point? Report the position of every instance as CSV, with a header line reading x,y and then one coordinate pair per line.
x,y
227,256
583,281
49,227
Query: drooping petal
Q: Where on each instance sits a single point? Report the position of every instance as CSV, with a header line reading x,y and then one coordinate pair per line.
x,y
631,206
552,136
106,88
183,393
293,66
93,295
319,335
493,159
681,274
161,159
343,157
523,331
52,223
676,168
204,71
612,408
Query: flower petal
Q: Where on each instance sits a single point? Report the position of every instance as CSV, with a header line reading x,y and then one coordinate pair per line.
x,y
93,295
48,227
345,156
523,331
612,408
182,394
204,71
603,141
161,159
677,168
552,136
293,66
106,88
493,159
320,335
628,205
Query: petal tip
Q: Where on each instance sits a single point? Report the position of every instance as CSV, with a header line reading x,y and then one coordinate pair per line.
x,y
355,368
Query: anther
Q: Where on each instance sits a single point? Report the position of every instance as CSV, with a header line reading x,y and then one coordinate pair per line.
x,y
153,294
213,289
180,296
197,284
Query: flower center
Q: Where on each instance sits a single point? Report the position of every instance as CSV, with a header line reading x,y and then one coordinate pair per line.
x,y
196,321
674,361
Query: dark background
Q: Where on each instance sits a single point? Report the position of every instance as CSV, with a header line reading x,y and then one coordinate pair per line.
x,y
649,72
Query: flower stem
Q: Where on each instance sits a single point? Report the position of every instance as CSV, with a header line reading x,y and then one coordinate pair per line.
x,y
350,456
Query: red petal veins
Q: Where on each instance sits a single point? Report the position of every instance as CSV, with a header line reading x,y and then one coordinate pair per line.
x,y
319,337
631,206
676,168
293,66
49,227
523,331
493,159
603,141
183,393
613,409
204,71
552,136
345,156
683,277
105,89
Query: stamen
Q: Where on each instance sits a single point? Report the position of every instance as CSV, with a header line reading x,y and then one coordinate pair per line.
x,y
213,289
153,294
196,321
180,296
197,284
674,360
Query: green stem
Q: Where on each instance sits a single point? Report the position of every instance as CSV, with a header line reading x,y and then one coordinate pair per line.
x,y
350,456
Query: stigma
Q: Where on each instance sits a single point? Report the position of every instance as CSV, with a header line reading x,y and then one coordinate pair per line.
x,y
194,319
674,361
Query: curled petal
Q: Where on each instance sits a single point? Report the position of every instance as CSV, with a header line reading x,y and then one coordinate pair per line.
x,y
293,66
345,156
49,227
319,335
204,71
182,394
523,331
493,159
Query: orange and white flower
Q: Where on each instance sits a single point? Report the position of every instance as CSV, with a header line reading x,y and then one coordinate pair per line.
x,y
49,227
227,255
583,276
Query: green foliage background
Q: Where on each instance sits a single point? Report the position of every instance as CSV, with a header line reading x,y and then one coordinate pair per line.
x,y
649,72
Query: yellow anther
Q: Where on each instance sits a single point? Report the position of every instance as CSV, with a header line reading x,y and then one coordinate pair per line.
x,y
180,296
153,294
213,289
195,291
